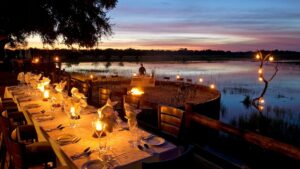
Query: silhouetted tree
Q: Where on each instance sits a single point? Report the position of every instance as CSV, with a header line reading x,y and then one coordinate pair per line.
x,y
263,59
81,22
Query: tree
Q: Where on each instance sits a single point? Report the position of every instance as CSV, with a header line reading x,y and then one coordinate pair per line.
x,y
81,22
263,59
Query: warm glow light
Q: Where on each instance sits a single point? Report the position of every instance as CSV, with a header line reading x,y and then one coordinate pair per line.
x,y
46,94
200,80
134,74
212,86
98,125
36,60
261,100
257,56
260,70
91,77
56,59
177,76
72,111
260,79
271,58
136,91
260,108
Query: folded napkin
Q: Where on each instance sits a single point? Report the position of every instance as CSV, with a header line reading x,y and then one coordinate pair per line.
x,y
32,106
24,99
18,93
67,139
44,118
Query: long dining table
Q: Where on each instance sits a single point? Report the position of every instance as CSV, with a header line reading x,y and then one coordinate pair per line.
x,y
123,154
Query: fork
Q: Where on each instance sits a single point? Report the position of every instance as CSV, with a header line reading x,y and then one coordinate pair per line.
x,y
59,127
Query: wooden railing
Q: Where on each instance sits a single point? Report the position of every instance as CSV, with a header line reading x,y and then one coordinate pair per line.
x,y
248,136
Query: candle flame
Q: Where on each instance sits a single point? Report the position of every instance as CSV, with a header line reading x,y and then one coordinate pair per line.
x,y
46,94
72,110
99,126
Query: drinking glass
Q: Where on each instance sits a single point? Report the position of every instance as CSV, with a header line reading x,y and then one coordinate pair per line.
x,y
133,128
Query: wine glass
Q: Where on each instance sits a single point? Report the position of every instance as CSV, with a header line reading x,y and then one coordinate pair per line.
x,y
133,128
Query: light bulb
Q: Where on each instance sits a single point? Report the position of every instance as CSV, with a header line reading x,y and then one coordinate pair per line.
x,y
212,86
260,79
271,58
257,56
200,80
260,70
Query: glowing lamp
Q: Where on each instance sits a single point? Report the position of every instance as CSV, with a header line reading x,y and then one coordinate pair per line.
x,y
91,77
177,77
136,91
36,60
257,56
261,100
134,74
200,80
271,58
261,108
212,86
56,59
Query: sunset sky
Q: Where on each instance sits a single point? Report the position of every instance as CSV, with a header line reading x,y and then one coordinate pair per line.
x,y
236,25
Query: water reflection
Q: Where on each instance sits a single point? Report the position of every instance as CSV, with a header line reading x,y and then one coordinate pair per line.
x,y
236,80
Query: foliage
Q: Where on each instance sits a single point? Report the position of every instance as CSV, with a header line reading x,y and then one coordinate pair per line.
x,y
81,22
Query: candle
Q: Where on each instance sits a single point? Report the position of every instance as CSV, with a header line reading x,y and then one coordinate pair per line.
x,y
98,126
46,95
72,111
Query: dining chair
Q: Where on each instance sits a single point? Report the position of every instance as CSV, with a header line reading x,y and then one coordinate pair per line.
x,y
183,160
8,104
22,153
170,121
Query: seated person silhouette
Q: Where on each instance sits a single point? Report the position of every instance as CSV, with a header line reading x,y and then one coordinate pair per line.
x,y
142,70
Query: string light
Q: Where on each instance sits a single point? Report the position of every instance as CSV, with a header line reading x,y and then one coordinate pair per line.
x,y
261,100
260,79
257,56
271,58
261,108
260,70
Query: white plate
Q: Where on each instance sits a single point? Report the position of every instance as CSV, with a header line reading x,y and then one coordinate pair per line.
x,y
155,141
93,164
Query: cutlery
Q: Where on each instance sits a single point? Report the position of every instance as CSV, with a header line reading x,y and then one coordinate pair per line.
x,y
59,127
146,148
86,152
73,141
